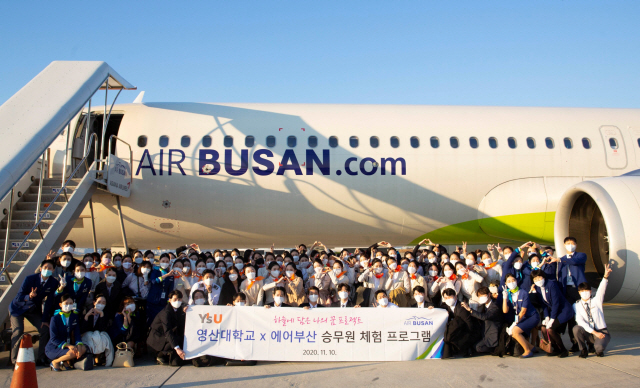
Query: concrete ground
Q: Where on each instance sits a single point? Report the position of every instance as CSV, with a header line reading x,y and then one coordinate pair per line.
x,y
619,368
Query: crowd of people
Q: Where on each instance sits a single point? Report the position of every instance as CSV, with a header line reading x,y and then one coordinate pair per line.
x,y
502,301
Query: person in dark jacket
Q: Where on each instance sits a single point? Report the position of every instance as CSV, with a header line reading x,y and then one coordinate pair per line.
x,y
344,290
458,336
128,324
94,318
161,280
111,289
76,285
279,296
35,291
421,298
65,342
167,330
556,310
492,317
230,287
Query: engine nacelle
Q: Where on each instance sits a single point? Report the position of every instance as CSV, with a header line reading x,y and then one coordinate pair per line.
x,y
604,216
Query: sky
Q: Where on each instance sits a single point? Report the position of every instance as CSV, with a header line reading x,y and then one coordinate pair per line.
x,y
505,53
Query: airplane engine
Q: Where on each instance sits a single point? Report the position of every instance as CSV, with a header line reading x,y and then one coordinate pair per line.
x,y
604,216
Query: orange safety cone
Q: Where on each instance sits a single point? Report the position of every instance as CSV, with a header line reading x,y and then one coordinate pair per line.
x,y
24,376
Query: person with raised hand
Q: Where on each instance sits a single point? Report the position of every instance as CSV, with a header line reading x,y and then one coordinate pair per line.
x,y
78,286
209,287
373,279
492,317
65,342
322,281
459,332
275,279
591,328
526,317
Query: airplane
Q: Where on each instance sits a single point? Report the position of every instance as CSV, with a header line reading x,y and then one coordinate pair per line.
x,y
249,175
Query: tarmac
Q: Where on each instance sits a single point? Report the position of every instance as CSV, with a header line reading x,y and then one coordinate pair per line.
x,y
619,368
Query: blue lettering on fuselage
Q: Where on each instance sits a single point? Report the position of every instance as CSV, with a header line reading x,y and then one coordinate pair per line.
x,y
209,163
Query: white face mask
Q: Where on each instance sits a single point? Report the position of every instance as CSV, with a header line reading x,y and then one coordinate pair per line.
x,y
433,273
448,273
469,262
139,260
570,248
111,279
453,261
131,307
419,298
186,269
296,258
145,271
337,271
487,262
200,270
493,289
512,285
412,270
278,299
585,295
80,275
251,275
383,301
378,270
65,263
239,266
313,297
164,265
393,266
535,264
275,273
199,301
210,265
318,270
126,265
280,262
240,304
364,263
451,301
517,265
69,249
100,306
118,263
209,281
461,272
227,263
343,294
483,299
67,307
432,260
539,283
290,274
176,304
233,277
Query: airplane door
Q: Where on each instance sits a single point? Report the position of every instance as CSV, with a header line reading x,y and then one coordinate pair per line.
x,y
613,147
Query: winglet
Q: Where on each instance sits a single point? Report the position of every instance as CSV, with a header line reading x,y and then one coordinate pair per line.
x,y
138,99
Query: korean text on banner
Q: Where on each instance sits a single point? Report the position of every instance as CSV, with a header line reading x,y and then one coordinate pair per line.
x,y
322,334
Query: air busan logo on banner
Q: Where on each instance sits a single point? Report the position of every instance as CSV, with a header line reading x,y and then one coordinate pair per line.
x,y
418,321
210,162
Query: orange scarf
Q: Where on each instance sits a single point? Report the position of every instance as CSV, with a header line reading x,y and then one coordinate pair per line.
x,y
453,277
253,281
341,274
398,269
491,265
379,275
103,267
465,276
413,276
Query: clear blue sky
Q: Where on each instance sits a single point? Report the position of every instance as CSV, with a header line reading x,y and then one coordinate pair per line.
x,y
523,53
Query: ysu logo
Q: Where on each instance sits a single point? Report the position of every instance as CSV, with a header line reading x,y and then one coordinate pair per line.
x,y
207,318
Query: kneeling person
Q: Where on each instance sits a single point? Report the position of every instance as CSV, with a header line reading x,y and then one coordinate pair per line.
x,y
591,327
492,317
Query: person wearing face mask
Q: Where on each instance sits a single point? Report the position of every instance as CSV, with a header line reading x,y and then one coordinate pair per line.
x,y
228,261
494,289
106,263
188,274
253,289
338,275
162,281
230,288
220,269
208,287
78,286
180,281
198,298
313,295
322,281
470,281
129,325
372,279
591,328
126,268
460,329
453,259
398,284
344,292
421,299
515,266
36,290
294,286
65,342
431,278
167,331
382,300
66,265
492,268
275,279
111,288
150,257
516,300
279,298
93,329
556,311
448,280
492,317
92,273
117,261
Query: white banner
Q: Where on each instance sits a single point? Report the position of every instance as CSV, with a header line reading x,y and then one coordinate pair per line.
x,y
322,334
119,177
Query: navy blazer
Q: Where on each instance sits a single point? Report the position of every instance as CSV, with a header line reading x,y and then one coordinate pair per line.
x,y
556,306
157,287
560,271
21,303
507,268
80,296
64,334
522,301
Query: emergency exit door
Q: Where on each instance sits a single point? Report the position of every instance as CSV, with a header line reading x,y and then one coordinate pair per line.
x,y
613,147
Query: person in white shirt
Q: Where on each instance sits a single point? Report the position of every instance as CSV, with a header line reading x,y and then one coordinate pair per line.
x,y
591,327
382,300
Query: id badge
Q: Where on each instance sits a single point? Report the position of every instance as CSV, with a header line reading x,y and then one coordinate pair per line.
x,y
162,295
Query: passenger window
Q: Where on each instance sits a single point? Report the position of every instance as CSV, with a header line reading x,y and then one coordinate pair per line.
x,y
185,141
291,141
333,142
586,143
493,142
313,141
395,142
473,142
435,142
249,141
353,142
164,141
142,141
271,141
512,142
568,144
415,142
549,142
206,141
454,142
228,141
613,143
375,142
531,142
